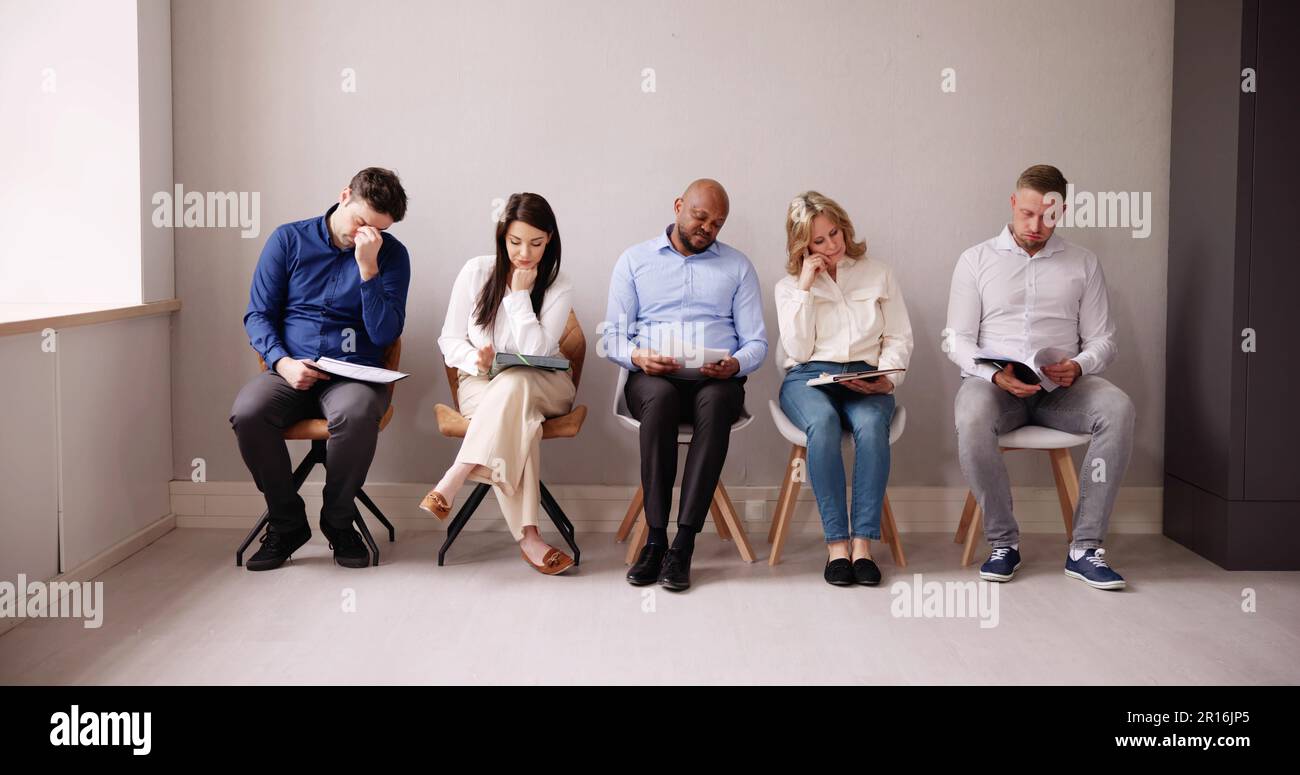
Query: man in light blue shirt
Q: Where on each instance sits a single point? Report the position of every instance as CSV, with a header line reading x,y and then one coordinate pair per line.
x,y
670,299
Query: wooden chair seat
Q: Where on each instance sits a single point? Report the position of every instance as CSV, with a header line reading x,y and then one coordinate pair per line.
x,y
453,424
317,429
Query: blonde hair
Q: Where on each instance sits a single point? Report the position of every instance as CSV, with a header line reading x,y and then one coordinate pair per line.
x,y
798,228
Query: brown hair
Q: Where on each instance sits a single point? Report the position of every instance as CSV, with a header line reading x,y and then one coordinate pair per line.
x,y
534,210
380,189
798,228
1043,178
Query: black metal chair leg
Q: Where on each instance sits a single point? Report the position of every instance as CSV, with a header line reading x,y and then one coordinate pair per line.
x,y
561,521
462,516
252,535
365,533
379,515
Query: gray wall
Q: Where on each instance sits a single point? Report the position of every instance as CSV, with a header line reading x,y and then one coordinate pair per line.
x,y
471,101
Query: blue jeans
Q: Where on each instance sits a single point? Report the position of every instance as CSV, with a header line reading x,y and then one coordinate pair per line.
x,y
824,413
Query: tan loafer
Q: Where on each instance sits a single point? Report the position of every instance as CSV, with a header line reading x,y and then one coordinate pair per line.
x,y
553,563
436,505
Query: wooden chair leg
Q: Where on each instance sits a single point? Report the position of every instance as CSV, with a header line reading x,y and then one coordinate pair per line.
x,y
638,540
718,521
889,533
1067,487
785,485
971,531
633,510
785,507
966,513
734,524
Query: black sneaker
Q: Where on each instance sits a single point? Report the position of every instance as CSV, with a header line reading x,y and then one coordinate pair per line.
x,y
839,572
865,572
675,575
646,568
349,551
277,547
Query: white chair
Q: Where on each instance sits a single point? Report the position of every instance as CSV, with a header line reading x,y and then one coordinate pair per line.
x,y
724,512
788,497
1057,445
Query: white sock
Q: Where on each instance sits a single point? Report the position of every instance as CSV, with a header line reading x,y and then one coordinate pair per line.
x,y
1016,546
1075,554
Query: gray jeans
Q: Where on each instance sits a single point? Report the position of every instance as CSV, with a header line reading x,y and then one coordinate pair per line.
x,y
1091,405
266,405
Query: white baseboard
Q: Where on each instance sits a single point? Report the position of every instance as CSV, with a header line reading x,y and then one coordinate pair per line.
x,y
600,508
106,559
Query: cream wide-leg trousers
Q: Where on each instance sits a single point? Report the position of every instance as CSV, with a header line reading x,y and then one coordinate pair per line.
x,y
504,438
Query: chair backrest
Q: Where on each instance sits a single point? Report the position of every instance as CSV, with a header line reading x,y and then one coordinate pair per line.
x,y
573,346
392,359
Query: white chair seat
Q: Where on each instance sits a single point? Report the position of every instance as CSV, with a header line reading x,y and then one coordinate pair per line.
x,y
795,436
1039,437
684,430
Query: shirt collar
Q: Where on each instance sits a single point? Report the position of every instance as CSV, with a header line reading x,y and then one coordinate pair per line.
x,y
1005,241
323,227
664,242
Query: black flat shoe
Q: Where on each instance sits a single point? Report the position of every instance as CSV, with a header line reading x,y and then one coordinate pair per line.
x,y
646,568
865,572
676,572
349,551
278,547
839,572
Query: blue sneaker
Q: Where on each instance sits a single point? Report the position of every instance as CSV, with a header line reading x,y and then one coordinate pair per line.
x,y
1001,565
1092,570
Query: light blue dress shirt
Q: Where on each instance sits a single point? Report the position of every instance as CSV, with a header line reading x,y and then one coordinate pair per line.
x,y
710,299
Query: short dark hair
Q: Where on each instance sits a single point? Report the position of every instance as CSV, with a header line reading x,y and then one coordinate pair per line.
x,y
380,189
1043,178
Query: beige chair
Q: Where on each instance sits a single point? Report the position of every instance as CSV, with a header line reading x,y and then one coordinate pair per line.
x,y
1057,445
452,424
316,430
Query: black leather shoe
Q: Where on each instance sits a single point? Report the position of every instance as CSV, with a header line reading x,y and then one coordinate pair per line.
x,y
840,573
349,551
866,572
277,547
675,574
646,568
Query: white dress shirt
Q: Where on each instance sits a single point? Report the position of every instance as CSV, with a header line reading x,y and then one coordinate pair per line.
x,y
517,328
858,316
1006,301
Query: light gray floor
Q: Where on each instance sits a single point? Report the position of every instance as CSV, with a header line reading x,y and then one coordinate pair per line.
x,y
181,612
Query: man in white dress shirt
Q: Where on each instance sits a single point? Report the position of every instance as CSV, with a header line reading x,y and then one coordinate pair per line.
x,y
1026,293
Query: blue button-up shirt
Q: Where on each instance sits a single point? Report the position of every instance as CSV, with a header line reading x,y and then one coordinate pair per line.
x,y
709,299
307,299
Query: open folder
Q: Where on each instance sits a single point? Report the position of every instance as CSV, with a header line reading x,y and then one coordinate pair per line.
x,y
357,371
1029,369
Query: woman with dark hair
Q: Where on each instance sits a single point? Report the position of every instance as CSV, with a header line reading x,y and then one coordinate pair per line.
x,y
513,302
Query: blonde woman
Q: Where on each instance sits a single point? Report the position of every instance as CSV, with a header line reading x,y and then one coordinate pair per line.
x,y
515,301
840,311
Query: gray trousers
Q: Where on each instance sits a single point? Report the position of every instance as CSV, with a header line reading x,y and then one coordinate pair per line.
x,y
266,405
1091,405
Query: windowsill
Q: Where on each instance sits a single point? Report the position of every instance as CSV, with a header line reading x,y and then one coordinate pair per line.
x,y
26,318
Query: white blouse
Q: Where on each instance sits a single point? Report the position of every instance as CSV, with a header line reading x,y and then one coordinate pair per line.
x,y
517,328
858,316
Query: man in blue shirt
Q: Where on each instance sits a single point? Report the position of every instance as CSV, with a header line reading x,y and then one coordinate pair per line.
x,y
330,286
682,292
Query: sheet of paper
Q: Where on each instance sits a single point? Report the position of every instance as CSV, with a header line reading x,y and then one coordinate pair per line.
x,y
358,372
